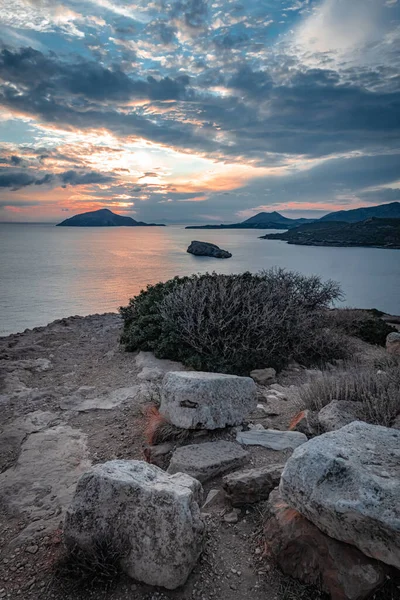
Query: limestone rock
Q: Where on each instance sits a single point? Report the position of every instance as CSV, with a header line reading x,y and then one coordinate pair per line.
x,y
263,376
393,343
305,553
347,482
205,461
339,413
199,400
207,249
151,518
271,438
253,485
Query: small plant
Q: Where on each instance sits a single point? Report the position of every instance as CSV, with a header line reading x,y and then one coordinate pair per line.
x,y
99,567
236,323
378,391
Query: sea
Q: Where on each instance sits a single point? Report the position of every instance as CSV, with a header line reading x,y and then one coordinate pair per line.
x,y
49,272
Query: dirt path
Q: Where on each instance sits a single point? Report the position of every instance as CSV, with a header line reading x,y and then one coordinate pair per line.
x,y
70,397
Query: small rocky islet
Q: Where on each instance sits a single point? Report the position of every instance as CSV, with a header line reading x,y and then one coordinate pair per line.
x,y
207,249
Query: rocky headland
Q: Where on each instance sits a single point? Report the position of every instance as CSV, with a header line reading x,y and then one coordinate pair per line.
x,y
203,455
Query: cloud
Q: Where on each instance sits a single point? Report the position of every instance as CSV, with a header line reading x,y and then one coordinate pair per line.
x,y
16,180
46,76
81,178
303,97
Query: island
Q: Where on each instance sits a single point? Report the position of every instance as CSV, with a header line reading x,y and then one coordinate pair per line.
x,y
104,218
207,249
376,233
263,220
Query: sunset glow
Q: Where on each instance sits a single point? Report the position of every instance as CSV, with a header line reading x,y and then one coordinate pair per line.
x,y
197,111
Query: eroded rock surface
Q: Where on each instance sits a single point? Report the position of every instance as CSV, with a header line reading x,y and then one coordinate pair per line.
x,y
150,518
200,400
347,482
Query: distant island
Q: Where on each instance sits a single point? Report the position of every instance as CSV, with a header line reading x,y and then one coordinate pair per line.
x,y
375,232
263,220
104,218
274,220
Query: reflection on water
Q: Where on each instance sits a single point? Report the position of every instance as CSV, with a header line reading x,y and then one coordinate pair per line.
x,y
49,272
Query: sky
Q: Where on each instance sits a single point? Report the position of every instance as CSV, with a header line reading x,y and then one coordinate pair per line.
x,y
196,111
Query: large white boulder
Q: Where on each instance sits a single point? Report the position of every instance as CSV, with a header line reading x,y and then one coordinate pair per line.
x,y
152,519
198,400
347,482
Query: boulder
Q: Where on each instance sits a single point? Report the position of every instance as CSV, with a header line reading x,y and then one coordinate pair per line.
x,y
149,518
339,413
302,551
205,461
207,249
347,482
263,376
393,343
197,400
253,485
271,438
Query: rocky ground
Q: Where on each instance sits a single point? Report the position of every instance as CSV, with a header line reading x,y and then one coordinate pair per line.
x,y
71,397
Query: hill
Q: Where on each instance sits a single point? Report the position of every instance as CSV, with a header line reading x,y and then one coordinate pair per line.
x,y
383,211
103,218
263,220
377,233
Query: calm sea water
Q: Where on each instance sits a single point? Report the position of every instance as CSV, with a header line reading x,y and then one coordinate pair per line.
x,y
49,272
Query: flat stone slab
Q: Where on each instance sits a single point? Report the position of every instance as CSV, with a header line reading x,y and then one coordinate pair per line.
x,y
347,482
201,400
252,485
205,461
271,438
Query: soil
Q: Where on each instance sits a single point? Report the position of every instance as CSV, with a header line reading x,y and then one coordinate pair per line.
x,y
71,397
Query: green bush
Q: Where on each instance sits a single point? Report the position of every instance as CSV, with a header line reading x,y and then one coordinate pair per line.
x,y
236,323
364,324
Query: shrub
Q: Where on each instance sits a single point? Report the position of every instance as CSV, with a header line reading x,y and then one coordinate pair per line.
x,y
364,324
87,570
378,391
236,323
